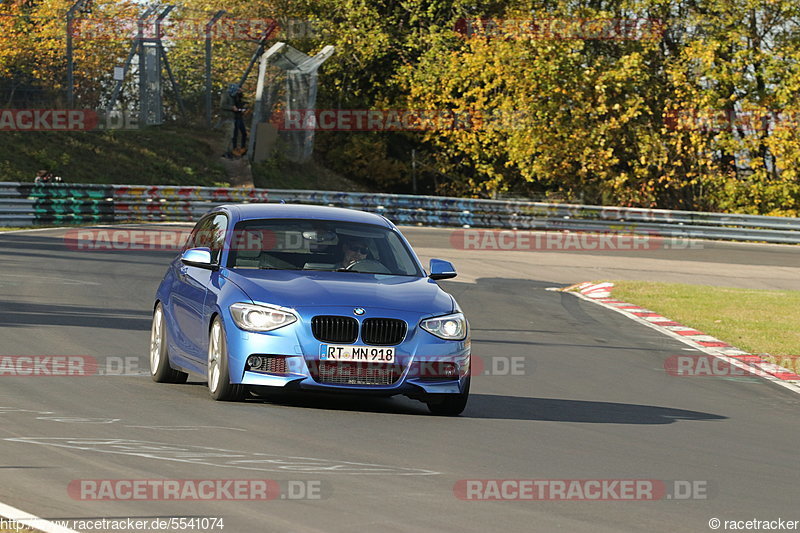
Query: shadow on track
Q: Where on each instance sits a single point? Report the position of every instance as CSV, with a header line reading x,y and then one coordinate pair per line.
x,y
489,406
399,405
15,314
498,407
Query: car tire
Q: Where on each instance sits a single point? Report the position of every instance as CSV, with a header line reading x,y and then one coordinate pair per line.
x,y
219,382
160,370
450,404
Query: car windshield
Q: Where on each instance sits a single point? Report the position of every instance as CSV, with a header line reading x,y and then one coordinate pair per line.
x,y
300,244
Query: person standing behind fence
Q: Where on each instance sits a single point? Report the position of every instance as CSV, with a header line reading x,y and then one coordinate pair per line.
x,y
239,108
227,108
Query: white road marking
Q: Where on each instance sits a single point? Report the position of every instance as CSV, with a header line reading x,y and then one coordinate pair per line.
x,y
18,410
715,352
78,419
35,230
221,457
185,428
38,278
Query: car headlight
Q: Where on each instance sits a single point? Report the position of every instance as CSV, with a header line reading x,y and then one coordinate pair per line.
x,y
449,327
252,317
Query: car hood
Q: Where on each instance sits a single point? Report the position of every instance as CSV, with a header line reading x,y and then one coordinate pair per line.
x,y
297,289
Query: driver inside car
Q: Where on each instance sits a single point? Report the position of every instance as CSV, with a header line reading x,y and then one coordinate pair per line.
x,y
352,250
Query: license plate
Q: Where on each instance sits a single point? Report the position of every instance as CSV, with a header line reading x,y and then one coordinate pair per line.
x,y
358,354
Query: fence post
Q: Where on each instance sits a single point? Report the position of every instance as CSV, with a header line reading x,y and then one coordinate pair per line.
x,y
210,24
70,52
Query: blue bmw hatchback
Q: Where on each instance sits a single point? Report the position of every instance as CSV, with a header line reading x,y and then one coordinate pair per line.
x,y
311,298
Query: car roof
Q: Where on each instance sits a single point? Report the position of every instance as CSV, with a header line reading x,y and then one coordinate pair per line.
x,y
255,211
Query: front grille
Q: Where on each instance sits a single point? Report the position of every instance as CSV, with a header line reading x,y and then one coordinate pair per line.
x,y
270,363
346,373
335,329
383,331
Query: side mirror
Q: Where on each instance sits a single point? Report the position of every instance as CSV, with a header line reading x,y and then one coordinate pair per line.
x,y
198,257
442,269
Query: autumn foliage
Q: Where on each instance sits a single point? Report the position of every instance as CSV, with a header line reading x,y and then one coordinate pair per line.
x,y
693,105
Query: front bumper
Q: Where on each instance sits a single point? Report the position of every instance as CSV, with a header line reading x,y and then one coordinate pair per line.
x,y
408,383
418,359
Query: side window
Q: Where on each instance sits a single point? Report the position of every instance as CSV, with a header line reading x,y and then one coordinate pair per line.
x,y
197,235
216,236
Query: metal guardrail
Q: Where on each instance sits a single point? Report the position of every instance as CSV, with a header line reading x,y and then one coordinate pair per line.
x,y
28,204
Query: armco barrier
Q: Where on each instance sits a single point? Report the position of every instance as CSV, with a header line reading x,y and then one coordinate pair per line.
x,y
28,204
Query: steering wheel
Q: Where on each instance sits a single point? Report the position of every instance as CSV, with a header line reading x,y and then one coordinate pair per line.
x,y
373,267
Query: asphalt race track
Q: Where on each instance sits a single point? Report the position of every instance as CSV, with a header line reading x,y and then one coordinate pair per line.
x,y
570,391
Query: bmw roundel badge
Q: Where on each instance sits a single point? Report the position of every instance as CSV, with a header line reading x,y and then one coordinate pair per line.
x,y
359,311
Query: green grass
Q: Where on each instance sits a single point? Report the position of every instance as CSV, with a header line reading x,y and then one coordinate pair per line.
x,y
166,155
757,321
281,174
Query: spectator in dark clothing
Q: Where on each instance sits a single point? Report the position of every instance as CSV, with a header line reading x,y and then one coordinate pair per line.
x,y
232,106
238,122
45,176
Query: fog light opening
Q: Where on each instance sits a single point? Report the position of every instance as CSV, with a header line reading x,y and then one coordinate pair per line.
x,y
268,364
450,371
